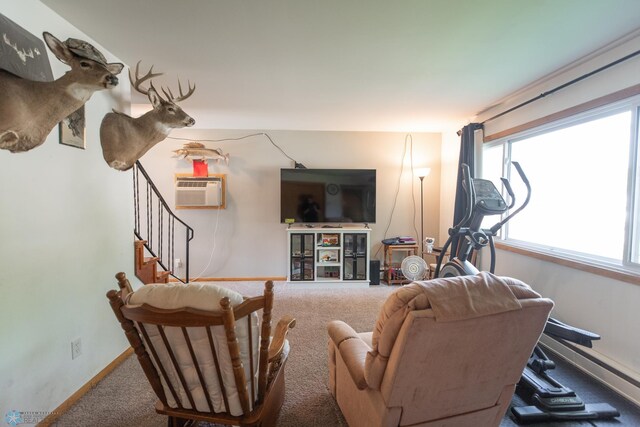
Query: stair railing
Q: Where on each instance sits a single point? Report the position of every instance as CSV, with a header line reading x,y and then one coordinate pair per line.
x,y
158,226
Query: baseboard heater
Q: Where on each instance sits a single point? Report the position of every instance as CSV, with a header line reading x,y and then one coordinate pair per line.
x,y
620,382
593,359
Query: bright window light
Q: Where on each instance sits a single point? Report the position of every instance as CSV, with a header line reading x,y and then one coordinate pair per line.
x,y
579,173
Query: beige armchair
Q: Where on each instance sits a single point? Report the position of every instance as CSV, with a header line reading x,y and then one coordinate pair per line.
x,y
444,352
205,351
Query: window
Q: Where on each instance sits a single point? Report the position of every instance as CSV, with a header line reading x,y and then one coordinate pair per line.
x,y
583,172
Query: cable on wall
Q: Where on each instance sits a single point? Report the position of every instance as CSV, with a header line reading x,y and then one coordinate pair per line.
x,y
297,165
408,142
562,86
413,195
213,248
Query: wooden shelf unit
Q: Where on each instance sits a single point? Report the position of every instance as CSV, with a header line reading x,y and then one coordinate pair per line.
x,y
392,267
336,255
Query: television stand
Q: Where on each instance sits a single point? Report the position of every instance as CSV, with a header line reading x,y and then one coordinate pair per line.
x,y
328,256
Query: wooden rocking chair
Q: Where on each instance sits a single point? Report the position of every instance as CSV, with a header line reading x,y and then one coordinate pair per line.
x,y
213,364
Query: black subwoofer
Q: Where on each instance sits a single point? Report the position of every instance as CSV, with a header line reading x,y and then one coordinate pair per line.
x,y
374,272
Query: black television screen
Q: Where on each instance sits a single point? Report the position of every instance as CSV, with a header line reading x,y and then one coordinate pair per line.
x,y
327,195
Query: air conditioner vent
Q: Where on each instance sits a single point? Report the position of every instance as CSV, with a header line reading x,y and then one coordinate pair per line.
x,y
199,192
191,184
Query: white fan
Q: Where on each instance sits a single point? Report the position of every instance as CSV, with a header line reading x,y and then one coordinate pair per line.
x,y
414,267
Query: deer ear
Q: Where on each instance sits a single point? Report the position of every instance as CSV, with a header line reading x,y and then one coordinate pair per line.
x,y
155,99
115,67
58,48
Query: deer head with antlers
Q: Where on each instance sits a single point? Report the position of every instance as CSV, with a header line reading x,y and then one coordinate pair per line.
x,y
30,109
125,139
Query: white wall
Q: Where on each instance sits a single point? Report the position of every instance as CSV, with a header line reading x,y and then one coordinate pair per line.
x,y
250,240
608,307
66,230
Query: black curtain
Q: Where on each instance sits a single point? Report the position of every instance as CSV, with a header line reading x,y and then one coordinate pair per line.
x,y
466,156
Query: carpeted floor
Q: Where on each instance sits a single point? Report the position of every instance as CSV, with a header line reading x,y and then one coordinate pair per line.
x,y
124,398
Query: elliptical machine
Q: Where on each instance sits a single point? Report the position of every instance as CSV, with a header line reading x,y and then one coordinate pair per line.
x,y
549,399
483,199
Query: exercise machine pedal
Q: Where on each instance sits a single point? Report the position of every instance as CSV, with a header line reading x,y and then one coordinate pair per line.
x,y
591,411
551,401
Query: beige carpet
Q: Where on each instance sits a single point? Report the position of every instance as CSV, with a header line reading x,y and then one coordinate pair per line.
x,y
124,398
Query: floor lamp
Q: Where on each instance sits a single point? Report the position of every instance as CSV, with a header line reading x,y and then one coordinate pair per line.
x,y
422,173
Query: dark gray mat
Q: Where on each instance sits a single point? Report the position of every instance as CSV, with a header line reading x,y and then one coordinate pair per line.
x,y
590,391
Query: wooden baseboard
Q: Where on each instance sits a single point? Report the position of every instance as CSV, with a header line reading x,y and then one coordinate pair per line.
x,y
64,407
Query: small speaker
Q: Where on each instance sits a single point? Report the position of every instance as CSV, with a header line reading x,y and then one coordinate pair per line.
x,y
374,272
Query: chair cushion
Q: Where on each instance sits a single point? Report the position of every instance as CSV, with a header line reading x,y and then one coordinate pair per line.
x,y
468,297
201,296
450,299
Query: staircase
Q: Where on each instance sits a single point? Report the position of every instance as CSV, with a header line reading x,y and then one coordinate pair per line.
x,y
157,229
146,268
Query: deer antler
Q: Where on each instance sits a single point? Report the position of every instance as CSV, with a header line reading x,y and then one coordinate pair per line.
x,y
182,96
140,80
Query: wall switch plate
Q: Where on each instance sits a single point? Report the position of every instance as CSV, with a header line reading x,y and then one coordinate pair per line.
x,y
177,262
76,348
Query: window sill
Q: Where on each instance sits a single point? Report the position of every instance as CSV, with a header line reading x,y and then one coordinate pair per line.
x,y
611,272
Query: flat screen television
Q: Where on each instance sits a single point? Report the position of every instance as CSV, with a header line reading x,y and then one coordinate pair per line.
x,y
311,196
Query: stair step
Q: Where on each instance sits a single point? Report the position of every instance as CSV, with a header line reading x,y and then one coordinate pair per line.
x,y
138,251
147,267
162,276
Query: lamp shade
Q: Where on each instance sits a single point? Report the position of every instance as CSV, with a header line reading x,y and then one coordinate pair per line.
x,y
422,172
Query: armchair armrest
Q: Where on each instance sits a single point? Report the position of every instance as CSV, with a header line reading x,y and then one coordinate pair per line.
x,y
352,349
279,336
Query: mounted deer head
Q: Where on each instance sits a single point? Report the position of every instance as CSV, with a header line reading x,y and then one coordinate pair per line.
x,y
125,139
29,110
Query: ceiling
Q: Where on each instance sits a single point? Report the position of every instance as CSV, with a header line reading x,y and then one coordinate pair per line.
x,y
374,65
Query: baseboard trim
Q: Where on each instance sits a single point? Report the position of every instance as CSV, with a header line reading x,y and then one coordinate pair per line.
x,y
623,383
64,407
234,279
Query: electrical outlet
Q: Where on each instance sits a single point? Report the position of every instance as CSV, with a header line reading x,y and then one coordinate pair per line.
x,y
178,263
76,348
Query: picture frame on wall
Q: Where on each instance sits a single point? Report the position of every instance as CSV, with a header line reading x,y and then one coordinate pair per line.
x,y
72,129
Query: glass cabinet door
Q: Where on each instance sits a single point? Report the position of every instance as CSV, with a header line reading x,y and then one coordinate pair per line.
x,y
355,256
349,245
361,245
302,247
307,244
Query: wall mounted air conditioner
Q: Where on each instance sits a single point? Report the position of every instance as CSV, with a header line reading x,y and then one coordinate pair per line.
x,y
200,192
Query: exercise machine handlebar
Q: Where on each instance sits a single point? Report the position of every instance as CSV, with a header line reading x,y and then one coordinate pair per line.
x,y
471,196
494,230
487,202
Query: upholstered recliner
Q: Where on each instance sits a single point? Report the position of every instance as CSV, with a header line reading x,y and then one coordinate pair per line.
x,y
444,352
205,352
